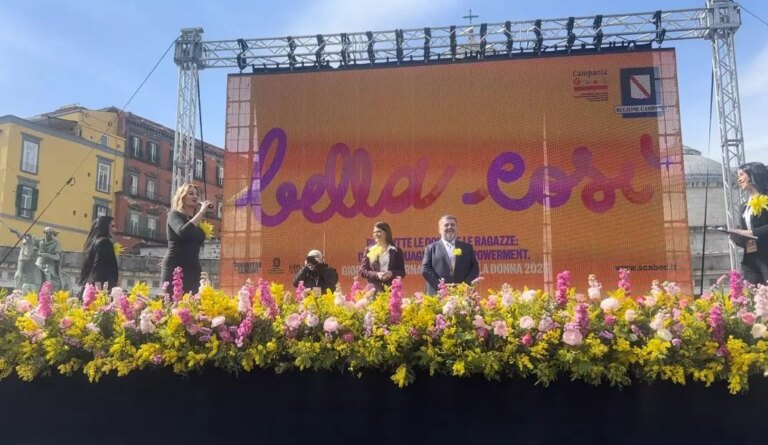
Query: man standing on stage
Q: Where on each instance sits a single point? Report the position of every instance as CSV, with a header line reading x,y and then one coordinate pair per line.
x,y
449,259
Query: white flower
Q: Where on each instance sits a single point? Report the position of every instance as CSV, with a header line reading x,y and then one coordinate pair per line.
x,y
527,322
594,293
243,301
664,334
217,321
649,301
339,299
630,315
116,292
507,299
610,304
145,322
658,321
758,330
528,296
449,307
311,320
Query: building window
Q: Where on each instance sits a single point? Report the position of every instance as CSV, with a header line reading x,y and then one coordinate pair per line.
x,y
219,207
133,223
26,201
135,147
152,227
153,153
102,175
219,175
198,169
104,140
150,189
170,159
100,208
30,150
133,184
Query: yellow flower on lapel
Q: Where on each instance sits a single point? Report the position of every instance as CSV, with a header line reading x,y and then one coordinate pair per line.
x,y
456,252
207,229
118,249
757,204
373,253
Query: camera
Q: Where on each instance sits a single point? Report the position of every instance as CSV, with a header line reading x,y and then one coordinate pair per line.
x,y
312,261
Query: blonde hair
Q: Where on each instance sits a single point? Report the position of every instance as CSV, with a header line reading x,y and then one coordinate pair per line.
x,y
178,198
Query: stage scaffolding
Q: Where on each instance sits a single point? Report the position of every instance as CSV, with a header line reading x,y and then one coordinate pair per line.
x,y
718,22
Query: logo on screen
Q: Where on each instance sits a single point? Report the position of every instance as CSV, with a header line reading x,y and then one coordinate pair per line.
x,y
640,93
276,268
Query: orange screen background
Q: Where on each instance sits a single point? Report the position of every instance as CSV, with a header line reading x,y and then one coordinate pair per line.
x,y
474,140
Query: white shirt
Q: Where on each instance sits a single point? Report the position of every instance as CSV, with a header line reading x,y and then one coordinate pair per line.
x,y
748,217
449,248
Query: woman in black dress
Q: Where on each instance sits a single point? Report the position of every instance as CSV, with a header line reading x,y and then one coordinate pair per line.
x,y
752,234
99,259
185,237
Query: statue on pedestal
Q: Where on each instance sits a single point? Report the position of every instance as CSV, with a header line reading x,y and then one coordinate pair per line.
x,y
28,277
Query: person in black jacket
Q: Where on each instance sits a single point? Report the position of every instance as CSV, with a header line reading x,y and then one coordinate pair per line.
x,y
316,273
185,238
100,261
752,234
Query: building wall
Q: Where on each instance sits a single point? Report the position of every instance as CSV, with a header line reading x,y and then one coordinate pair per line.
x,y
59,155
137,203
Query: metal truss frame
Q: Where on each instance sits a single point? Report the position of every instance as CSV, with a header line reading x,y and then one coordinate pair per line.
x,y
718,22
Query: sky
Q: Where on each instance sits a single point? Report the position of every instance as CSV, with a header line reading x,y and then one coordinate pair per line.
x,y
95,53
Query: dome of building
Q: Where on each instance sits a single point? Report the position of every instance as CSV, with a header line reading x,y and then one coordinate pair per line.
x,y
698,168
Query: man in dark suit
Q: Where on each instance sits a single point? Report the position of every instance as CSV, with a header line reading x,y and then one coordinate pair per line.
x,y
449,259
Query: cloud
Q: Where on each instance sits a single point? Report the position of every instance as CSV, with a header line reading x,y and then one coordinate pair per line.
x,y
753,88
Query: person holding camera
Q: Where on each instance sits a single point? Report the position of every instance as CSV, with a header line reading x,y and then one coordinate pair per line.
x,y
316,273
185,237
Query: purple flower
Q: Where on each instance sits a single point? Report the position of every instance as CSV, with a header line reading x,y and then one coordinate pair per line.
x,y
440,323
243,331
184,315
676,342
396,301
716,322
636,330
356,287
609,320
527,340
572,337
293,321
563,283
442,288
125,307
500,328
624,281
300,289
582,317
737,285
267,300
608,335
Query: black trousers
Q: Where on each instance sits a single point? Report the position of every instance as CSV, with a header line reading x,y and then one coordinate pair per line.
x,y
755,268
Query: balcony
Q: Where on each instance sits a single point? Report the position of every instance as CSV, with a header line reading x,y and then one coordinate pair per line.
x,y
142,230
157,198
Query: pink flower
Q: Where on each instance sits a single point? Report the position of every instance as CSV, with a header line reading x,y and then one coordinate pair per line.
x,y
624,281
331,325
158,315
546,324
737,285
184,315
45,301
527,340
609,320
748,318
65,323
23,306
500,328
125,307
243,331
348,337
356,287
482,333
178,284
396,301
293,321
89,295
267,300
572,337
300,289
527,322
157,359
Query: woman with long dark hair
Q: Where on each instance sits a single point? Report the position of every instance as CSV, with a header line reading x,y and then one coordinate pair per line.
x,y
99,259
752,235
383,261
185,237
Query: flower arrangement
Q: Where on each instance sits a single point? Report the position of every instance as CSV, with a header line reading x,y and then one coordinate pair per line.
x,y
757,203
207,229
118,248
604,336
